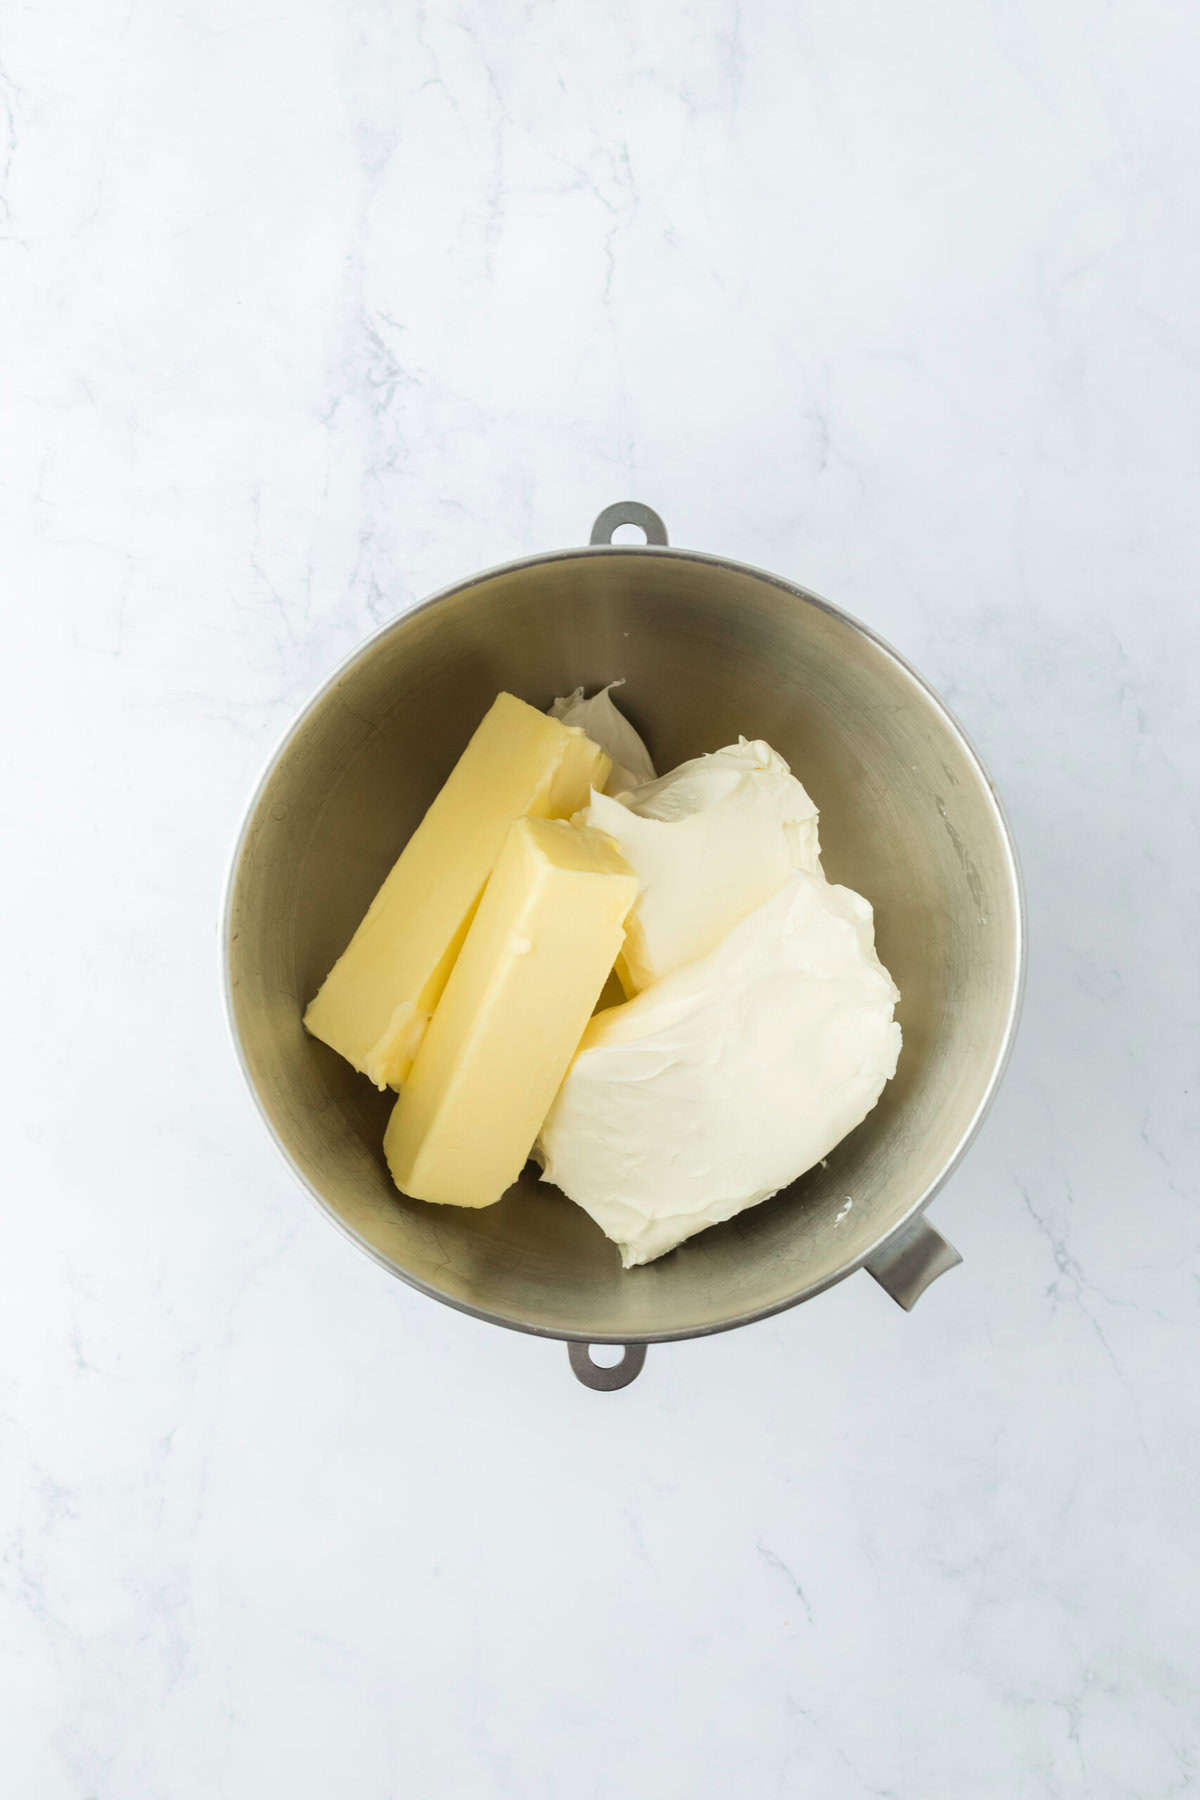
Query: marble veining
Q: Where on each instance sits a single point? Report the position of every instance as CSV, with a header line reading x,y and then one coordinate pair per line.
x,y
307,313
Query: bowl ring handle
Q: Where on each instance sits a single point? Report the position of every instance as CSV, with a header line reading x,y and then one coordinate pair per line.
x,y
628,512
607,1379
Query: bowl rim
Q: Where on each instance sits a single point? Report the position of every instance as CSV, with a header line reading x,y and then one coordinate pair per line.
x,y
967,1135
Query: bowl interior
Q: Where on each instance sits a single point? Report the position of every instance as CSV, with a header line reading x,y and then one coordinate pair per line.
x,y
707,650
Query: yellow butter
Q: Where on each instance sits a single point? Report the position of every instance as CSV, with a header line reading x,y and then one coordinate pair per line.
x,y
544,940
377,999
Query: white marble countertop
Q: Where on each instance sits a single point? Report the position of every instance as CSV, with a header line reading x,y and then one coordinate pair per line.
x,y
308,312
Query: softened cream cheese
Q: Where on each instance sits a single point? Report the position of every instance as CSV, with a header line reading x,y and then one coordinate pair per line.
x,y
709,843
726,1080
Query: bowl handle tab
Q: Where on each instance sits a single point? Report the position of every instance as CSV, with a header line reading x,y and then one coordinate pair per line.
x,y
606,1379
910,1260
628,512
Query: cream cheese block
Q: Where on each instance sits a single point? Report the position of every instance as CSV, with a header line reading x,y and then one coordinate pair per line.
x,y
709,842
534,961
728,1079
376,1001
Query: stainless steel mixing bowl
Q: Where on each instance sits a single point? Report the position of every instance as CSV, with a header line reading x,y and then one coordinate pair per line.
x,y
708,648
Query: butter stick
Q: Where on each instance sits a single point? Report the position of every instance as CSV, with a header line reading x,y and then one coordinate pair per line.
x,y
542,944
376,1001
